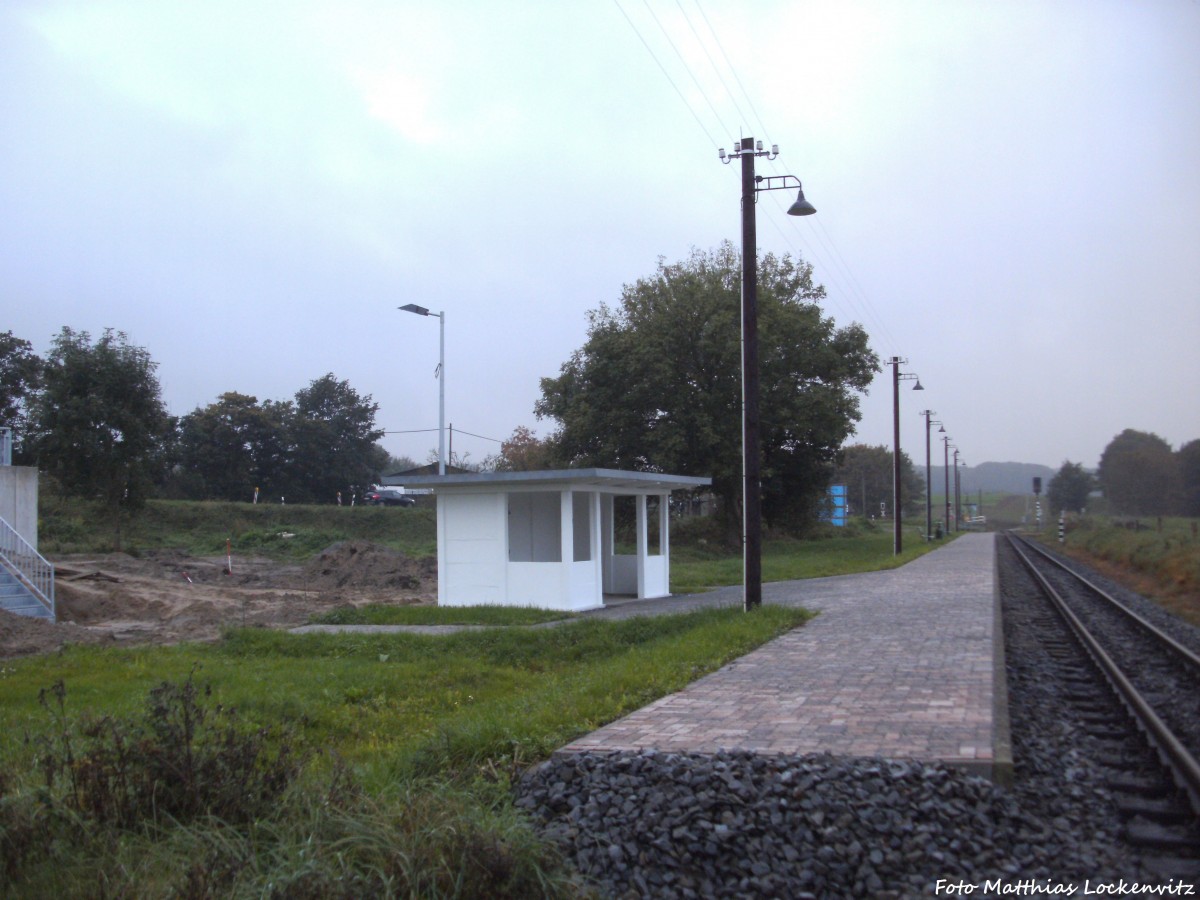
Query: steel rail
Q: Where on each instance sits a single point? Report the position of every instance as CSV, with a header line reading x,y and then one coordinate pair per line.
x,y
1179,761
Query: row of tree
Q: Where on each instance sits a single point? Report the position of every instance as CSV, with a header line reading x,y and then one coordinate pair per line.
x,y
655,387
1139,475
91,416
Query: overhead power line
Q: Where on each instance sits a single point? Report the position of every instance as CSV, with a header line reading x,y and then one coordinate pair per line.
x,y
820,248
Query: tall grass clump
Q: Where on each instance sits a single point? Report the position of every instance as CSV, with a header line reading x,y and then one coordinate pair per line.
x,y
182,802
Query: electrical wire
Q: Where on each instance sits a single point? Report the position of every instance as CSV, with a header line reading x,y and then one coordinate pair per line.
x,y
820,248
666,74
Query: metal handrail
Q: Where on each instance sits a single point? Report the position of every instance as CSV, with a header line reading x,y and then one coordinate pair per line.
x,y
34,571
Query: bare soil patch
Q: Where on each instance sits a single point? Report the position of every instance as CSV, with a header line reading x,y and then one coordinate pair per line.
x,y
168,596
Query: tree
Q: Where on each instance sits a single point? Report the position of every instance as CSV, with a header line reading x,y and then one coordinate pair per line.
x,y
657,385
100,426
1069,488
1188,457
230,447
524,452
334,441
1139,474
867,473
20,378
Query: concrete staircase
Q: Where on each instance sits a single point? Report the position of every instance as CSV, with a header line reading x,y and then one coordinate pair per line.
x,y
15,597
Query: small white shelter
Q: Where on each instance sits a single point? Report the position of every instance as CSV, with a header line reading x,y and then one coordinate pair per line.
x,y
548,538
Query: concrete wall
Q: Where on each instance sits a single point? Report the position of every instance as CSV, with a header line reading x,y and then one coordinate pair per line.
x,y
472,549
19,500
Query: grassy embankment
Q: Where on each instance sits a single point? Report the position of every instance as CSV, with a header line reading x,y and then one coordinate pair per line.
x,y
1163,564
355,764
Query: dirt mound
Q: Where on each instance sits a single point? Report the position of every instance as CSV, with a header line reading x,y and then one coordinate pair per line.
x,y
168,596
362,564
21,636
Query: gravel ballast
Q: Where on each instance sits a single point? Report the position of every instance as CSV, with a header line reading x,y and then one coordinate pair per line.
x,y
737,824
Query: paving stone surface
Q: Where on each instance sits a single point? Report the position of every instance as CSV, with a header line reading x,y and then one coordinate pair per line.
x,y
897,664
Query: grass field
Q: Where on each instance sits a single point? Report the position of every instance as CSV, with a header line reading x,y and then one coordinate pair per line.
x,y
380,723
253,529
861,547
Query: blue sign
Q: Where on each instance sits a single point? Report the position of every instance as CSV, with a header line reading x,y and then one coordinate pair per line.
x,y
836,507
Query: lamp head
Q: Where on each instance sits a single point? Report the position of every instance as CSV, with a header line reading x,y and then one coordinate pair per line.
x,y
413,308
801,207
917,386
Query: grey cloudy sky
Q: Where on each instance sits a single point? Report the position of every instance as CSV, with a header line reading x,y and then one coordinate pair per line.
x,y
1008,194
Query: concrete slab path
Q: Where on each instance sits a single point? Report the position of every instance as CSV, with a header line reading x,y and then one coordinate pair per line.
x,y
902,664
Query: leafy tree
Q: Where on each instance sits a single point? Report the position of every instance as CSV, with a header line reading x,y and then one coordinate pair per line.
x,y
867,473
20,378
234,445
1189,472
334,441
657,385
100,426
399,464
1070,487
1139,474
524,452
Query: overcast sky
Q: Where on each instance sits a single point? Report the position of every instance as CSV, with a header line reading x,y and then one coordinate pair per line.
x,y
1008,195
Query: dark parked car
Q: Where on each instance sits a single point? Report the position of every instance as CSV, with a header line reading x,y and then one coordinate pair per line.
x,y
386,497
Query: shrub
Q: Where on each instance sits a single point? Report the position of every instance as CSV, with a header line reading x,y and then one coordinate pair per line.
x,y
182,760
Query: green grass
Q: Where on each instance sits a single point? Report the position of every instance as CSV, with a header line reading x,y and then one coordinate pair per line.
x,y
833,551
440,615
424,728
293,532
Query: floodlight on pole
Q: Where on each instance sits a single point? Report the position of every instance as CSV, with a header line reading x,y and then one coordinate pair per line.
x,y
747,150
440,375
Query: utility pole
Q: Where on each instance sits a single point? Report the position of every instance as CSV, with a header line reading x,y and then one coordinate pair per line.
x,y
751,446
896,379
747,149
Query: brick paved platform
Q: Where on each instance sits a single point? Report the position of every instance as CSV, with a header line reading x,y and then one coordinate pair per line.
x,y
905,664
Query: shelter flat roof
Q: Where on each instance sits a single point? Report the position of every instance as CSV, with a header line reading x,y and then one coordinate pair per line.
x,y
610,479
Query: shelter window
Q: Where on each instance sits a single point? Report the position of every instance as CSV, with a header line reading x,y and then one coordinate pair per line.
x,y
535,526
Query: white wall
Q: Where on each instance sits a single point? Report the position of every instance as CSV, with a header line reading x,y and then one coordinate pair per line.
x,y
472,549
19,501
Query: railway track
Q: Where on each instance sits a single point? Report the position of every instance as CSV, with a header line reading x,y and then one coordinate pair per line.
x,y
1136,690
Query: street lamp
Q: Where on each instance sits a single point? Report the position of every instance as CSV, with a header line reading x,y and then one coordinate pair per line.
x,y
928,486
896,362
946,473
441,377
957,511
957,490
747,150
